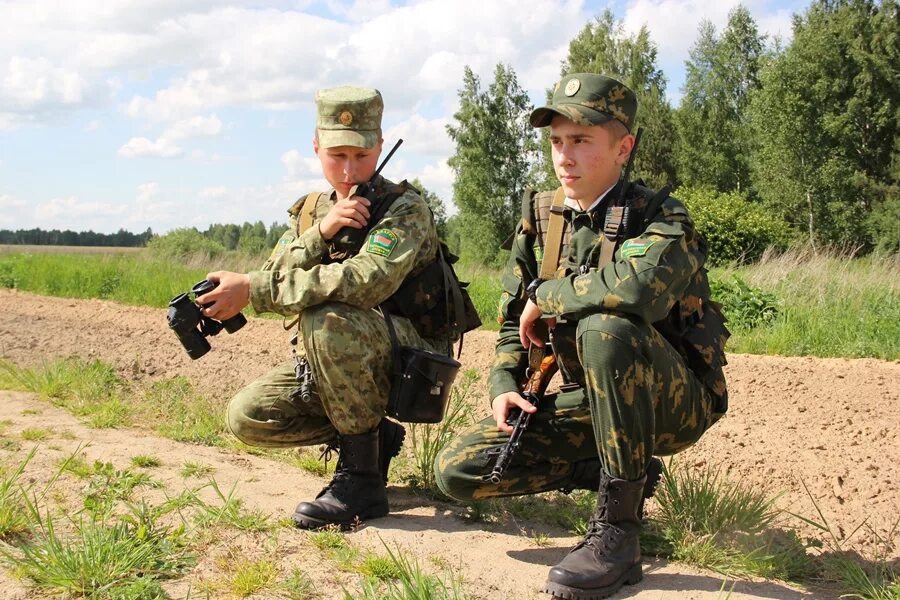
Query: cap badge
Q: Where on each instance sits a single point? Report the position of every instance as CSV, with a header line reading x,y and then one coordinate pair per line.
x,y
346,118
572,87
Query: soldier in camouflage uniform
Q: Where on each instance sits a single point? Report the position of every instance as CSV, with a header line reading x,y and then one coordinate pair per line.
x,y
636,379
333,293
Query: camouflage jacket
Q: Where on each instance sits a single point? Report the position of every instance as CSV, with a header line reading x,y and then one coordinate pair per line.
x,y
657,276
301,272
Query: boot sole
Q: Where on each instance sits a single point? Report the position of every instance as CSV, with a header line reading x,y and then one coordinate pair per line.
x,y
565,592
307,522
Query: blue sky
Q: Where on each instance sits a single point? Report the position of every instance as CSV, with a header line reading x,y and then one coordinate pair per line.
x,y
163,113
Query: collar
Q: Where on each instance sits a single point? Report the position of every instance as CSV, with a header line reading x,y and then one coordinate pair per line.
x,y
576,208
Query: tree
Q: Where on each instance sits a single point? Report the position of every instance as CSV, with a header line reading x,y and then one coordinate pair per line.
x,y
495,150
826,121
436,205
714,138
603,47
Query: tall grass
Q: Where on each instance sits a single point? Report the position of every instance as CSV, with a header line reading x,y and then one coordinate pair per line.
x,y
830,305
134,278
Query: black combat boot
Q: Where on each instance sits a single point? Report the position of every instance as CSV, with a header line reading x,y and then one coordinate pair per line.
x,y
609,556
586,475
356,492
390,440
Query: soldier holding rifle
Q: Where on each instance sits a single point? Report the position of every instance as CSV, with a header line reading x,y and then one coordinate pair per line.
x,y
615,270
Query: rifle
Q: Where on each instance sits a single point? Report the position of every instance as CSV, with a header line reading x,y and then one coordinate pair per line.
x,y
541,368
348,239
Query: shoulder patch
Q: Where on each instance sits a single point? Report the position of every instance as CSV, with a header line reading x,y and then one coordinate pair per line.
x,y
382,242
636,247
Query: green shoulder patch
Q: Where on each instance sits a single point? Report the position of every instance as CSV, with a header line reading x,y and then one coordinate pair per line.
x,y
382,242
538,252
636,247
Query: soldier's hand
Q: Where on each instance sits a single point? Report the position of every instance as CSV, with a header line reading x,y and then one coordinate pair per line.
x,y
500,408
346,212
527,333
231,295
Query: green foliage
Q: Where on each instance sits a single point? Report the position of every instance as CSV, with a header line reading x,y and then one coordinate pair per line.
x,y
179,413
184,242
14,518
495,147
484,289
744,306
428,439
123,559
829,305
883,225
88,389
411,584
250,577
436,205
713,523
826,121
602,46
735,229
714,135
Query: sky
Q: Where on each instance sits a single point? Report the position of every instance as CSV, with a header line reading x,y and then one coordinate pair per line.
x,y
164,113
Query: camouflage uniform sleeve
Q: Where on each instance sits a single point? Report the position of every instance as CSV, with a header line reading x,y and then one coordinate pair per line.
x,y
364,280
510,357
296,250
646,277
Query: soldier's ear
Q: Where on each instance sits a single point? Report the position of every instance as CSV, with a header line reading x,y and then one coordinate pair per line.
x,y
625,146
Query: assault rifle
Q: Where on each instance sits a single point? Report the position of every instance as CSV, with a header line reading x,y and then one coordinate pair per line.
x,y
541,368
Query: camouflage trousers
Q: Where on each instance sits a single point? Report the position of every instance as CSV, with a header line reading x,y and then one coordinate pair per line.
x,y
349,351
632,396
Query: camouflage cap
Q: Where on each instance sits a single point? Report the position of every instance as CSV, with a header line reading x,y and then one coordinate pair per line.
x,y
588,99
348,116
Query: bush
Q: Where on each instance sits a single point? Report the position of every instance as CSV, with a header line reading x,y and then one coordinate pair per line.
x,y
182,243
735,228
745,307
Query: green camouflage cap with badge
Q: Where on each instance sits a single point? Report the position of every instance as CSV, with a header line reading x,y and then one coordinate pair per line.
x,y
588,99
348,116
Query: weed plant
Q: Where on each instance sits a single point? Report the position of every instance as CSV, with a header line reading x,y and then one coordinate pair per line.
x,y
14,519
411,583
247,578
428,439
705,520
873,578
298,586
121,558
829,305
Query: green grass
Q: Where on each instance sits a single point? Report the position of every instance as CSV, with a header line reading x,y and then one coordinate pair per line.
x,y
708,521
247,578
14,519
145,461
428,439
828,306
192,469
409,582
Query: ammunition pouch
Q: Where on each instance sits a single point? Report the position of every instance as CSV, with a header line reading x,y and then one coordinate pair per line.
x,y
421,382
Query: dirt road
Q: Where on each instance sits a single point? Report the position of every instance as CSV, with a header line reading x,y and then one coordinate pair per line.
x,y
830,423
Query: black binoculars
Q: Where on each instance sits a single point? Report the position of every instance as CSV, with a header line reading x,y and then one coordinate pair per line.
x,y
192,327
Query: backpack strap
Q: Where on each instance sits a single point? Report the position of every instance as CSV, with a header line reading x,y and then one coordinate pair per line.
x,y
611,228
308,211
553,243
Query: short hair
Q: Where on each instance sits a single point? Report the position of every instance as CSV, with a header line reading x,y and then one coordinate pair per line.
x,y
616,129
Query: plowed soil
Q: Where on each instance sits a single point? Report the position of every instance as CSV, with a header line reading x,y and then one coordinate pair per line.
x,y
831,426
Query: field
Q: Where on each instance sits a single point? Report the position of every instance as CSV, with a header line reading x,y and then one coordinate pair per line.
x,y
119,416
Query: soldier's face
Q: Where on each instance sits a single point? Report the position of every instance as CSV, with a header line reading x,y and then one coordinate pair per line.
x,y
345,166
587,158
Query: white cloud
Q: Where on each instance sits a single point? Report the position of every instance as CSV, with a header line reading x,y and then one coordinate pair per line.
x,y
426,137
141,147
194,127
299,166
72,213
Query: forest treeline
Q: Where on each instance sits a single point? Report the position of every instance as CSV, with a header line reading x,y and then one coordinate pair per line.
x,y
771,144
